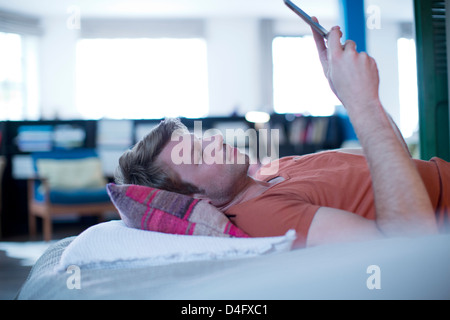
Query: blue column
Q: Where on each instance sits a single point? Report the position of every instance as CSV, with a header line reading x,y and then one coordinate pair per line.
x,y
353,13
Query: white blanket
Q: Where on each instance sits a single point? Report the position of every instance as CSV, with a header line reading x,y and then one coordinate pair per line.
x,y
399,268
113,245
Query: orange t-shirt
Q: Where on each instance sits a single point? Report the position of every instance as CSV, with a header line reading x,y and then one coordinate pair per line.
x,y
327,179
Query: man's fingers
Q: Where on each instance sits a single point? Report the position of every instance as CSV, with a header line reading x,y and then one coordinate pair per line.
x,y
320,42
350,44
334,42
321,48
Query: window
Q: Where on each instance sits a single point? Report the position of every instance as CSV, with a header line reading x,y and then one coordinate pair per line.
x,y
11,78
299,83
18,77
408,91
142,78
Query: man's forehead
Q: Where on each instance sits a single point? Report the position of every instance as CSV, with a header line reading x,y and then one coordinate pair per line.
x,y
166,154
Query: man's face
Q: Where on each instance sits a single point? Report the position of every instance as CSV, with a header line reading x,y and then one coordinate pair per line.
x,y
209,164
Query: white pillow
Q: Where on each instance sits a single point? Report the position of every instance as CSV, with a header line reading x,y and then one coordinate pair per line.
x,y
113,245
72,174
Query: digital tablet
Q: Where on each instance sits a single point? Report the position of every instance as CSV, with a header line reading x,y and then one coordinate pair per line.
x,y
302,14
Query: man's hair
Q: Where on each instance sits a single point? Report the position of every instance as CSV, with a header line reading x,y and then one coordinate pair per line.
x,y
138,165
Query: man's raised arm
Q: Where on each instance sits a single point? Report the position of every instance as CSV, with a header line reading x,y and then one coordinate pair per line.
x,y
401,200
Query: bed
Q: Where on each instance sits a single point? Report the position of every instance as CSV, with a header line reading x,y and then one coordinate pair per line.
x,y
114,260
247,269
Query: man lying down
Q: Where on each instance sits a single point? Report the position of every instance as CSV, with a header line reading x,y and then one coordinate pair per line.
x,y
326,197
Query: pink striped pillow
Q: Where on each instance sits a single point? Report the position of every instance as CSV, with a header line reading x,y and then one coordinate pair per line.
x,y
152,209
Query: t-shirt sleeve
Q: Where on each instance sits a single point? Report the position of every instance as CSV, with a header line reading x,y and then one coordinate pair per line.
x,y
274,216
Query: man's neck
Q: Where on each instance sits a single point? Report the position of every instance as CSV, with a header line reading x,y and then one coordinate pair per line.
x,y
251,189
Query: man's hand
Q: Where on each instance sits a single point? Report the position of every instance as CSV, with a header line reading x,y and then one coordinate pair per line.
x,y
401,199
353,76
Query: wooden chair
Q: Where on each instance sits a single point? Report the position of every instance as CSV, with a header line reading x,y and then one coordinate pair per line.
x,y
66,182
2,169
